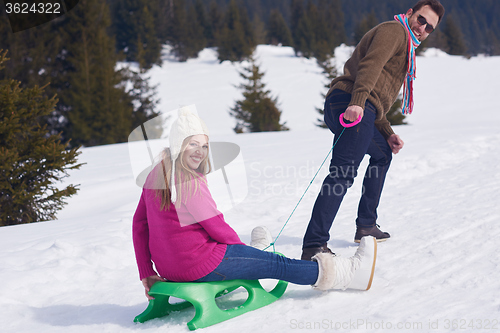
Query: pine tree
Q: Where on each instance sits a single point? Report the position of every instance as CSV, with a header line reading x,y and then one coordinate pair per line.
x,y
150,41
216,22
55,53
330,72
259,31
248,30
322,37
365,25
203,21
318,28
177,30
31,160
277,30
305,39
37,58
142,97
258,112
297,12
454,37
494,47
33,53
236,40
186,30
135,31
95,101
394,115
334,20
161,11
436,40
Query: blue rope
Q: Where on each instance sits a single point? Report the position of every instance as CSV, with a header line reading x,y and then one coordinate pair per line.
x,y
293,211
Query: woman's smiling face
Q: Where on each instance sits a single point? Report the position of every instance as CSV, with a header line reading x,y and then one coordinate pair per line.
x,y
196,151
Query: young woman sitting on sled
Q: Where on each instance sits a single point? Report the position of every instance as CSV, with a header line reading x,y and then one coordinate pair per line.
x,y
178,228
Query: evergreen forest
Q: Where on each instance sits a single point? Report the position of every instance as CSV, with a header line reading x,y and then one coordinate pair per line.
x,y
82,78
75,57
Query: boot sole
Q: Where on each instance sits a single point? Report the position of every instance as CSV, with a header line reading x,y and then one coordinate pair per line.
x,y
378,240
373,266
363,277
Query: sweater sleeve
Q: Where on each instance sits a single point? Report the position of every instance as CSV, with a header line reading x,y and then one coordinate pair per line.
x,y
204,210
384,127
385,43
140,235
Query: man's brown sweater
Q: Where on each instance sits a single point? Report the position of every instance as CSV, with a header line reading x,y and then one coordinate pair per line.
x,y
376,71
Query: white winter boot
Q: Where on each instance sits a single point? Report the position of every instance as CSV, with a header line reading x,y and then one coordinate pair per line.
x,y
261,238
355,272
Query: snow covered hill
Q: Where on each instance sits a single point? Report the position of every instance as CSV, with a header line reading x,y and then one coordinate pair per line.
x,y
439,272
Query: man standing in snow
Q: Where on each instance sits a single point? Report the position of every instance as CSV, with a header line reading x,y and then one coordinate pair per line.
x,y
383,60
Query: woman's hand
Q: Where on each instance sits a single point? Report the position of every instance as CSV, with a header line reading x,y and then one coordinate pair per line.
x,y
148,283
395,143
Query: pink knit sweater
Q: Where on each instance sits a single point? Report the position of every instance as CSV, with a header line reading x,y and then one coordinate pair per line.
x,y
180,252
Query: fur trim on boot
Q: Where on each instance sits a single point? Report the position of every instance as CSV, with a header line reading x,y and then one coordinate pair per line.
x,y
326,275
355,272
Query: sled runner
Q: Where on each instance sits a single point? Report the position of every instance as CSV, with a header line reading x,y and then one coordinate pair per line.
x,y
202,296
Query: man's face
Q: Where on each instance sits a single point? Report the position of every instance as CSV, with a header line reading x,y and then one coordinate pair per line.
x,y
415,20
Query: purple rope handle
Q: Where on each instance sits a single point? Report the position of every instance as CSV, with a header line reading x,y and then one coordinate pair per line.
x,y
354,123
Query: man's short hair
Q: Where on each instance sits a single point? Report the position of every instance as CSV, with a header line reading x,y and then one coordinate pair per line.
x,y
435,5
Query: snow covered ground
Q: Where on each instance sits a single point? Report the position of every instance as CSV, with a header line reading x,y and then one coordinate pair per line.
x,y
439,272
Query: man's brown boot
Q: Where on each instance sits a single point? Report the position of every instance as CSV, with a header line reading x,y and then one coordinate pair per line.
x,y
374,231
309,252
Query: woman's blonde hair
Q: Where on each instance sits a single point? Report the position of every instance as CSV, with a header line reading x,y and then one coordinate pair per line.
x,y
185,177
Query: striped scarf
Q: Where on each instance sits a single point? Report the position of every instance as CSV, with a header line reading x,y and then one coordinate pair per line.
x,y
411,73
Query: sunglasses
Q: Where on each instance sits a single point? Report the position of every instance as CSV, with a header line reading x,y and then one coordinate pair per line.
x,y
422,21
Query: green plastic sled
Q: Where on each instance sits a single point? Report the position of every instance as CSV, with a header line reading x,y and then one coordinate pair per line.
x,y
202,296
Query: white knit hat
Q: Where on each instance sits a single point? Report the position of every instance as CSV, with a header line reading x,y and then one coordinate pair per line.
x,y
187,124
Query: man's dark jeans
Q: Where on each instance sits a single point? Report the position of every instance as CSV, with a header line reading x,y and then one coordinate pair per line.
x,y
353,145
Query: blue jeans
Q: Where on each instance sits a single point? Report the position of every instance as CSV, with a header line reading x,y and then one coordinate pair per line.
x,y
246,262
354,143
